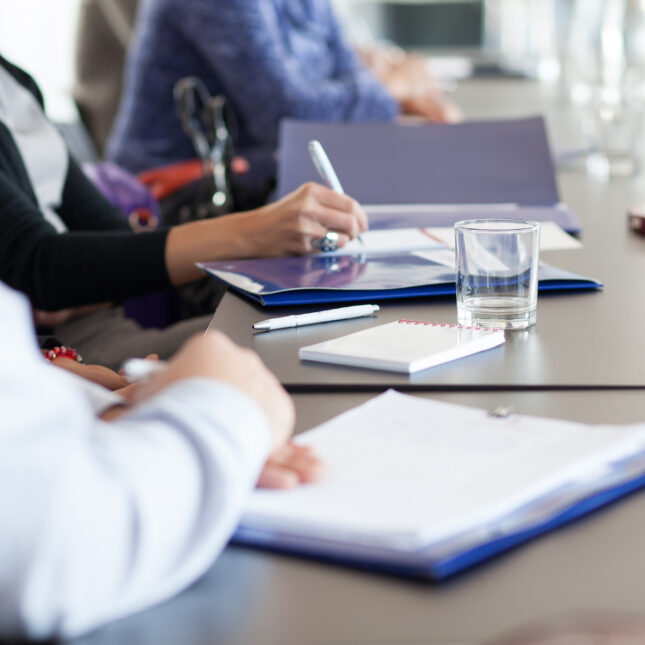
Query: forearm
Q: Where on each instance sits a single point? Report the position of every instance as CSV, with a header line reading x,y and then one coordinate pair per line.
x,y
224,238
98,260
283,228
65,270
178,467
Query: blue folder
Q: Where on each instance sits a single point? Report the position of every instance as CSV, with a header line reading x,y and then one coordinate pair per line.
x,y
319,279
474,163
493,540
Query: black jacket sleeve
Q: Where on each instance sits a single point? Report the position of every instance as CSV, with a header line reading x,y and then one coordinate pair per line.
x,y
98,260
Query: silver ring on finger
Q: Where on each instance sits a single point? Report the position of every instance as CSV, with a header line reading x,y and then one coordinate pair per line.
x,y
327,243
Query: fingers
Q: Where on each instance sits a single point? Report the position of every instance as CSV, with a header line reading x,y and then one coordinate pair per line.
x,y
95,373
335,211
327,197
452,113
329,220
128,392
306,215
433,108
332,201
275,476
289,466
299,459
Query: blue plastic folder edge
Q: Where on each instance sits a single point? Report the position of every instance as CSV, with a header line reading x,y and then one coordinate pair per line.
x,y
445,568
323,296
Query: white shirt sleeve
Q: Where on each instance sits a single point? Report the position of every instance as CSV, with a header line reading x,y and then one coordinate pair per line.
x,y
99,520
99,397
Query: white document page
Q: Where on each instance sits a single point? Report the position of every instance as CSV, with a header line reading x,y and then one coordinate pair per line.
x,y
405,473
552,237
393,240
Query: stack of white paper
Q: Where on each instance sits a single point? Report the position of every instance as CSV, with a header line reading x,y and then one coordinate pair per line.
x,y
412,480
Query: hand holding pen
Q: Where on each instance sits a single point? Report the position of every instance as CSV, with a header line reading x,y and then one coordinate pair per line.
x,y
321,161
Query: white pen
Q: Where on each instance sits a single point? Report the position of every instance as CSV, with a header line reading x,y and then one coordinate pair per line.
x,y
326,170
139,369
324,167
343,313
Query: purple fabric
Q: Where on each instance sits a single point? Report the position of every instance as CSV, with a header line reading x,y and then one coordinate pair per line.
x,y
121,188
127,193
271,59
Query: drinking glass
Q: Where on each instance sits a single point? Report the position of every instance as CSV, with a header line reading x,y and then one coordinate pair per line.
x,y
523,34
607,64
497,272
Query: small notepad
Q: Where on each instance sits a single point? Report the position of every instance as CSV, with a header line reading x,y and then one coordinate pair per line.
x,y
404,346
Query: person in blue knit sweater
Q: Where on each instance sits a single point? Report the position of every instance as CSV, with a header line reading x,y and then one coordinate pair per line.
x,y
271,59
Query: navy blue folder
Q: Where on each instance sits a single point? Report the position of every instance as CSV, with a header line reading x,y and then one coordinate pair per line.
x,y
421,565
318,279
472,163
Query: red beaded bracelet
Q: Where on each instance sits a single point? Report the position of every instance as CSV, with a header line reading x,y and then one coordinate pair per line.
x,y
62,351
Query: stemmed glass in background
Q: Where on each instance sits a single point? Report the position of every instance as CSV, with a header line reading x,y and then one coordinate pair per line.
x,y
606,64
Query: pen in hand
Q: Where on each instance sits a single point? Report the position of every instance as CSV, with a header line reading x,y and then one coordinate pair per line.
x,y
326,170
140,369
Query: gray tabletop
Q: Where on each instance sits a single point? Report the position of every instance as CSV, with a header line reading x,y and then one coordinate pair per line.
x,y
253,597
586,339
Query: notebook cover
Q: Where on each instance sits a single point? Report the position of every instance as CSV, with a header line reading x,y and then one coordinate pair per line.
x,y
476,162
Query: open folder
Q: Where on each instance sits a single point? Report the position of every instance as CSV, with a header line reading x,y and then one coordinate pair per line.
x,y
429,174
439,487
322,278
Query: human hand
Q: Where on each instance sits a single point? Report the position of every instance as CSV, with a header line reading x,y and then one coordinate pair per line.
x,y
432,107
289,226
214,356
95,373
51,318
290,465
380,59
54,318
409,80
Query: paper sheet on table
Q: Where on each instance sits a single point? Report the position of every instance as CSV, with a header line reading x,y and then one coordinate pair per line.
x,y
394,240
552,237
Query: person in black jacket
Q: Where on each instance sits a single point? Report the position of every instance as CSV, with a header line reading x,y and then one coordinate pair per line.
x,y
66,247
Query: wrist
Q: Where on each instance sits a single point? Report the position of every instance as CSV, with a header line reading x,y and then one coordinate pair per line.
x,y
61,352
114,412
237,236
223,238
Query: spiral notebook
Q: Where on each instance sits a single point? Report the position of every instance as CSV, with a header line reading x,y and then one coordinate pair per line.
x,y
404,346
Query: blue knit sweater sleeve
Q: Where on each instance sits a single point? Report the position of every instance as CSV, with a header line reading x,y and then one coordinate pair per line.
x,y
286,58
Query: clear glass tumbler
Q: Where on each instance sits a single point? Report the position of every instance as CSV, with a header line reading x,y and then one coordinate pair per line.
x,y
497,272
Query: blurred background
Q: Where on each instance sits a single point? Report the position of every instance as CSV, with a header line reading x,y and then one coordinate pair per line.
x,y
593,51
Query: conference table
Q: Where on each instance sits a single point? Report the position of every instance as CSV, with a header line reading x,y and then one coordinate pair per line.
x,y
582,339
251,597
582,362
